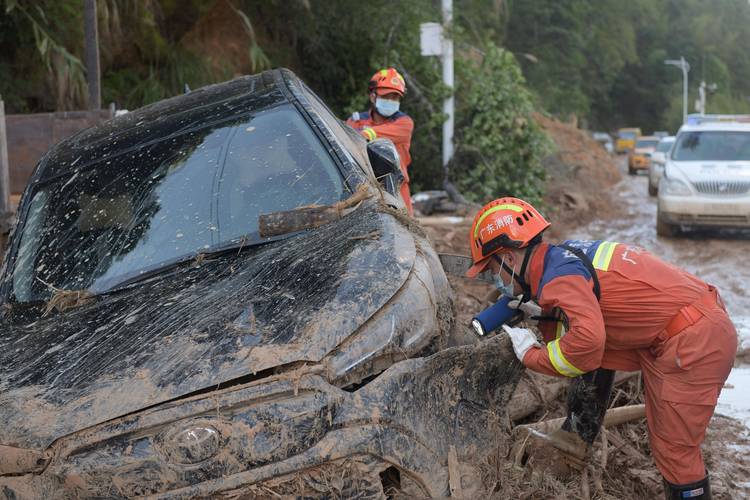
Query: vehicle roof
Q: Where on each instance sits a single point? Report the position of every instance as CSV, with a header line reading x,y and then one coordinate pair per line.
x,y
629,129
160,120
648,138
716,126
668,138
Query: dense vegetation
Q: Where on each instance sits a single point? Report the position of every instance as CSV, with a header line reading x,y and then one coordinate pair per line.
x,y
600,61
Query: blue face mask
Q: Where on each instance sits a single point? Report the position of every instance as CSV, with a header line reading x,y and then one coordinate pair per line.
x,y
506,289
386,107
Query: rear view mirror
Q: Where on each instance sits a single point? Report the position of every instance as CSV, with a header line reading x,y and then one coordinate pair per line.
x,y
385,160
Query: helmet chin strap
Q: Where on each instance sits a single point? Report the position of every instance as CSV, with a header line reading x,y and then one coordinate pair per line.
x,y
520,277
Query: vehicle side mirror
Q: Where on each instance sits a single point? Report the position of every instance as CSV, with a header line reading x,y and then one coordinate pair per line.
x,y
385,160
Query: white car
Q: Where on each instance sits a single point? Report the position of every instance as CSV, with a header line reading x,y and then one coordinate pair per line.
x,y
706,181
658,159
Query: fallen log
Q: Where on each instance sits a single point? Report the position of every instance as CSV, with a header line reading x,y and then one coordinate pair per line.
x,y
535,391
569,443
613,417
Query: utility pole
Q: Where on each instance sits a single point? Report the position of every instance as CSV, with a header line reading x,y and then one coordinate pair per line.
x,y
448,104
434,40
92,54
685,67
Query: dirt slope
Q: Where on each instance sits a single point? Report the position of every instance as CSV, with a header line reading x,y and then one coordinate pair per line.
x,y
580,174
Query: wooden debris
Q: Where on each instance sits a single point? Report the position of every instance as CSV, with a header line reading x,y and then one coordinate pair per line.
x,y
278,223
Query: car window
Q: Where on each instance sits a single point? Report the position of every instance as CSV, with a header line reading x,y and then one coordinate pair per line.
x,y
712,146
664,146
627,135
171,199
647,144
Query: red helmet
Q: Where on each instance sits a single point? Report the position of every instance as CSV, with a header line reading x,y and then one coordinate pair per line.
x,y
500,224
386,81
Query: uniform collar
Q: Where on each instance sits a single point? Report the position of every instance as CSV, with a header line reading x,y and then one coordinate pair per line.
x,y
536,268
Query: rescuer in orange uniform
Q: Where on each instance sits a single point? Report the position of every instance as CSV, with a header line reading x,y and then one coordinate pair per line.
x,y
603,304
384,119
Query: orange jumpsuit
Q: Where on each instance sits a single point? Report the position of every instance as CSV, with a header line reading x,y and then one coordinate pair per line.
x,y
651,316
398,128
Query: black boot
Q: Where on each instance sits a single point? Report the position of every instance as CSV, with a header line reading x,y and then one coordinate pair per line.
x,y
699,490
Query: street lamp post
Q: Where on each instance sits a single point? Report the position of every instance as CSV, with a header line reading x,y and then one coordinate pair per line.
x,y
685,67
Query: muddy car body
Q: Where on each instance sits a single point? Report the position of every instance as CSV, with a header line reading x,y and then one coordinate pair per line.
x,y
153,343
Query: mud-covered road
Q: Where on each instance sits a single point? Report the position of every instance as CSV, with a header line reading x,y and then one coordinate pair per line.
x,y
722,258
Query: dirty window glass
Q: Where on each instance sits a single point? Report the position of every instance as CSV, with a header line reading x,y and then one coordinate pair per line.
x,y
170,200
712,146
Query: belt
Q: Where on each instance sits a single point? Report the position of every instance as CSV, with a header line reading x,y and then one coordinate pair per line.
x,y
690,314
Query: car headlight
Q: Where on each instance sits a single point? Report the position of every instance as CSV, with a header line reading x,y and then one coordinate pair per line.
x,y
675,187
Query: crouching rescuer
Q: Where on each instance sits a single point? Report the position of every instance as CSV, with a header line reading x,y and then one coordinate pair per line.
x,y
613,306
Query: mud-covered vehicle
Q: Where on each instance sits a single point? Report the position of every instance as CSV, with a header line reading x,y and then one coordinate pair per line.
x,y
219,295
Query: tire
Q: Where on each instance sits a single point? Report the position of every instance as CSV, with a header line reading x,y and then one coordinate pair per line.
x,y
665,230
652,190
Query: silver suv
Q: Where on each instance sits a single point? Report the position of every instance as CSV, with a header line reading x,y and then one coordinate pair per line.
x,y
706,181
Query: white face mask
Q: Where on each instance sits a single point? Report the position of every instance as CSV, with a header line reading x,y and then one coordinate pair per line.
x,y
386,107
505,288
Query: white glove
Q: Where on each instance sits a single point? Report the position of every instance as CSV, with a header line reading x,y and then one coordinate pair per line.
x,y
530,309
523,339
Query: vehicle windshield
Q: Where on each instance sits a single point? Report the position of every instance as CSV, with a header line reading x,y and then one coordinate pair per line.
x,y
664,146
647,143
108,222
626,135
712,146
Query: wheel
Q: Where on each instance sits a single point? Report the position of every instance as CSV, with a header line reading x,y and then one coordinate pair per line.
x,y
652,190
665,229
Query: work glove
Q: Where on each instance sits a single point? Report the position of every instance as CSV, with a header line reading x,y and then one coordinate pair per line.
x,y
529,308
523,339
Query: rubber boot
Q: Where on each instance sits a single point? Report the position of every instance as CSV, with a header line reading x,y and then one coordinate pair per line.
x,y
699,490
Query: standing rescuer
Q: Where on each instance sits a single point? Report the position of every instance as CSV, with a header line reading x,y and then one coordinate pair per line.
x,y
602,304
384,119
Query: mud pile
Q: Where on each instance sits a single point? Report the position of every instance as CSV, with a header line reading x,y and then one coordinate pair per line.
x,y
579,175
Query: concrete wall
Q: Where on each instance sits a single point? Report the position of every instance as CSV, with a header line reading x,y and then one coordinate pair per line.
x,y
30,136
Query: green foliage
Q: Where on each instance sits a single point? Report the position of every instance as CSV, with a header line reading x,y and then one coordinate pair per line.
x,y
603,60
499,145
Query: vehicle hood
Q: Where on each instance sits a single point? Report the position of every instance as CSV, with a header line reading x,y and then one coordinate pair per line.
x,y
698,171
198,326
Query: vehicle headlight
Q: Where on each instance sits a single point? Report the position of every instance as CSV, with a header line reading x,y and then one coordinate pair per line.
x,y
675,187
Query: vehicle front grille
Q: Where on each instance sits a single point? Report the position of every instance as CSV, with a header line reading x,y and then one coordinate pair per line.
x,y
722,187
722,220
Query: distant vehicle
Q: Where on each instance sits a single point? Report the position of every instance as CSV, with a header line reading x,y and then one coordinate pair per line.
x,y
605,140
706,180
661,134
658,159
626,138
640,157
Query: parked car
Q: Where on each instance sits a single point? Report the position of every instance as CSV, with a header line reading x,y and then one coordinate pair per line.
x,y
161,334
640,156
605,140
706,181
626,138
656,166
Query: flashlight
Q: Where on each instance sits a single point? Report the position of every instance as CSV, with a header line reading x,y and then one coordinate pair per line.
x,y
493,317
